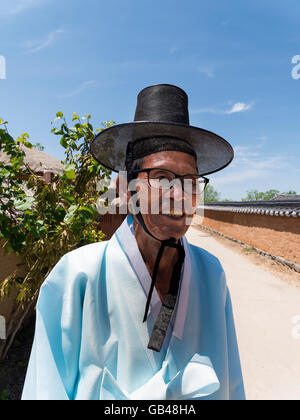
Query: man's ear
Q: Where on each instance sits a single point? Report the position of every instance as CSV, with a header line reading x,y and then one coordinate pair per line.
x,y
118,185
122,189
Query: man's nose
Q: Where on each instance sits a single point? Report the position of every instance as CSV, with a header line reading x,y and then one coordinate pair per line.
x,y
181,198
176,190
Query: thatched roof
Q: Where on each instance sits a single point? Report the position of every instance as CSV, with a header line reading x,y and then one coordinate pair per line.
x,y
37,160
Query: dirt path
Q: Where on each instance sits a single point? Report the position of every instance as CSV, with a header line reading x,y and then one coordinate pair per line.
x,y
266,304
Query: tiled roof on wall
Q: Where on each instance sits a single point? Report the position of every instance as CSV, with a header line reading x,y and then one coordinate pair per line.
x,y
286,197
288,208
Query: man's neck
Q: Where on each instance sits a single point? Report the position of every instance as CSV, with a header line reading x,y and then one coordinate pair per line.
x,y
149,248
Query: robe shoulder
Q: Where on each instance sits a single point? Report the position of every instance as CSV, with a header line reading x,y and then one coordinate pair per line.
x,y
76,268
87,256
54,360
209,268
206,258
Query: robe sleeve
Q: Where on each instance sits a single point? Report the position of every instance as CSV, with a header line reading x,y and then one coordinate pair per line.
x,y
53,364
236,386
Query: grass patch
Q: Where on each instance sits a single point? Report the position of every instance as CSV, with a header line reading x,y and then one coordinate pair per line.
x,y
248,249
4,395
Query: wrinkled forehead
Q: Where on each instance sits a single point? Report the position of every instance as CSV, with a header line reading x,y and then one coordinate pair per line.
x,y
178,162
154,146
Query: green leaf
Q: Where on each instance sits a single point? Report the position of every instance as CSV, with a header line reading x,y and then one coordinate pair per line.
x,y
73,208
5,173
64,142
90,209
4,395
59,114
24,204
71,213
86,214
27,144
69,170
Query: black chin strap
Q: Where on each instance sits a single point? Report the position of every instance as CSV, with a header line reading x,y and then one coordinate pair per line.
x,y
162,322
154,275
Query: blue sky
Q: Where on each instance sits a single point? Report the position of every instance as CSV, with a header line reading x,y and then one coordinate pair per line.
x,y
232,57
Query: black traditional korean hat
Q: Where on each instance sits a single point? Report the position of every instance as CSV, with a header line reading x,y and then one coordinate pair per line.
x,y
161,111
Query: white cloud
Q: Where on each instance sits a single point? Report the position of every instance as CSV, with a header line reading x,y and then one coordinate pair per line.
x,y
236,108
86,85
255,167
32,47
251,163
15,7
207,71
204,111
239,107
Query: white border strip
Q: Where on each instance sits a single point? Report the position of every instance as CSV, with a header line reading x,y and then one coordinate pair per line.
x,y
2,328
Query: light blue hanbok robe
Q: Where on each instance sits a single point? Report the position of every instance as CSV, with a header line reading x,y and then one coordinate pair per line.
x,y
90,342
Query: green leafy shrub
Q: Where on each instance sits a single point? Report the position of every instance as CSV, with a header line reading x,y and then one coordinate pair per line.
x,y
58,217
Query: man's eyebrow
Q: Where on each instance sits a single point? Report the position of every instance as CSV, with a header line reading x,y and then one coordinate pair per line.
x,y
167,169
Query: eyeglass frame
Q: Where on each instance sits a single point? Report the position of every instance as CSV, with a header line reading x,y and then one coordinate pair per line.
x,y
148,170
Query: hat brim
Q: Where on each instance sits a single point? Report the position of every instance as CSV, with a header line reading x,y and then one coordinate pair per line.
x,y
109,146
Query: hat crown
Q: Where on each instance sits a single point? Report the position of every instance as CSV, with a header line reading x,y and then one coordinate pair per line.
x,y
162,103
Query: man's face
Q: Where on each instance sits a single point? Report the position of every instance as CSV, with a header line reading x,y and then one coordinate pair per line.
x,y
164,225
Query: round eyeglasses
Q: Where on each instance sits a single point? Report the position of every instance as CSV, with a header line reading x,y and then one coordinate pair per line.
x,y
164,179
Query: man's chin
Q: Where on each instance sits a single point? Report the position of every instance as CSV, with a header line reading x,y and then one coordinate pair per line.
x,y
166,226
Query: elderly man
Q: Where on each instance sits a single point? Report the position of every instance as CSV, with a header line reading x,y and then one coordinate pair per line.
x,y
144,315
